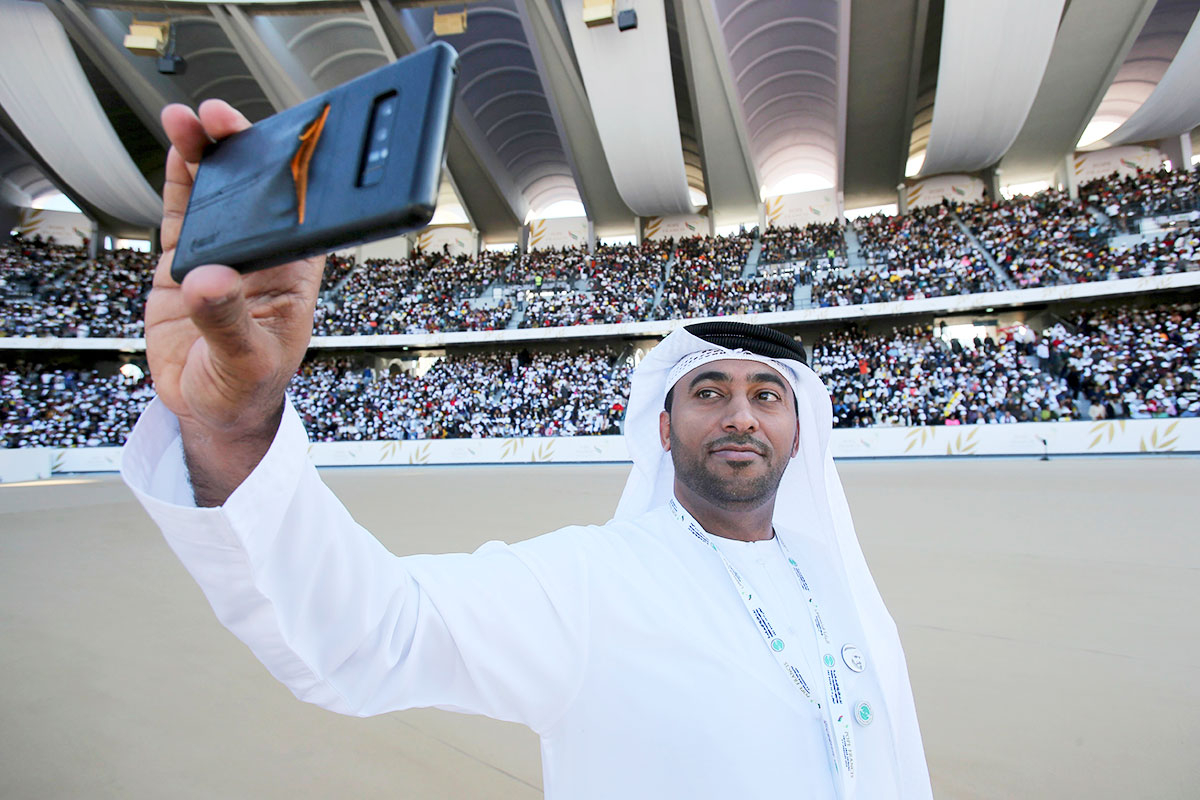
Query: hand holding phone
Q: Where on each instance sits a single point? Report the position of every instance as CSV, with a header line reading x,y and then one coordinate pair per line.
x,y
358,163
223,346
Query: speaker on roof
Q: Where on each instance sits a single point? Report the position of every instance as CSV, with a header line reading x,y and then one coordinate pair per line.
x,y
147,38
449,24
598,12
627,19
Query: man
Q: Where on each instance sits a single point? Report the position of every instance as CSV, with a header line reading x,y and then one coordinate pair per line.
x,y
720,637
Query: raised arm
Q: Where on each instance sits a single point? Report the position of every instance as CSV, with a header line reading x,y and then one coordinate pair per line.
x,y
220,462
222,346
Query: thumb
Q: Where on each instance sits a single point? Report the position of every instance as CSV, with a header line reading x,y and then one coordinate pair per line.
x,y
213,297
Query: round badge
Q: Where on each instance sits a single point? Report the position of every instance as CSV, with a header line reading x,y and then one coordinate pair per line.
x,y
828,660
863,713
853,658
777,645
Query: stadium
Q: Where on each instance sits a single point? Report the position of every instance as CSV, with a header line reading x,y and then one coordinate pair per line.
x,y
980,221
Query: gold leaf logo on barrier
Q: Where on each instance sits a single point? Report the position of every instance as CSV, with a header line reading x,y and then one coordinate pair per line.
x,y
1161,440
510,447
29,220
774,209
543,452
1105,429
963,445
918,437
653,226
421,454
537,232
390,451
56,464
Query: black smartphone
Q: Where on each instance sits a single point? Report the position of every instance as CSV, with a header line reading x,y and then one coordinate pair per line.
x,y
355,164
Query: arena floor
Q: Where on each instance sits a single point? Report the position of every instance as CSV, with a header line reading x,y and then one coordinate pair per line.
x,y
1049,613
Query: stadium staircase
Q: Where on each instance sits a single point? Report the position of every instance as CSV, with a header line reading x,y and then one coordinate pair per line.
x,y
1000,272
802,297
658,290
333,292
854,255
1104,220
751,268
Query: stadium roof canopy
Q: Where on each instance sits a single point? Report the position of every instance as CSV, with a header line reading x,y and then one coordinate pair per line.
x,y
706,102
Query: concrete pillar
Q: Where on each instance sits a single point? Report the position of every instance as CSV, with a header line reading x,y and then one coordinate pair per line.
x,y
1070,179
10,215
1178,149
991,181
762,218
902,198
95,239
638,234
591,237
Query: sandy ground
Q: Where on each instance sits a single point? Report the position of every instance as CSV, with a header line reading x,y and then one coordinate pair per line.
x,y
1049,612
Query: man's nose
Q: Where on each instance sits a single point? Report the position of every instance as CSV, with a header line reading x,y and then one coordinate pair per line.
x,y
739,415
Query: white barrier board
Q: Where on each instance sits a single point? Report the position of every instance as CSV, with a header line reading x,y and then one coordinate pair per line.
x,y
1144,436
31,464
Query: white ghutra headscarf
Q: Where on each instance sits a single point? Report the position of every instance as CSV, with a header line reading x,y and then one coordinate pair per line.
x,y
810,499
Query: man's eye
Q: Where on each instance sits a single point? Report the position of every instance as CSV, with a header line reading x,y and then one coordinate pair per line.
x,y
706,393
767,395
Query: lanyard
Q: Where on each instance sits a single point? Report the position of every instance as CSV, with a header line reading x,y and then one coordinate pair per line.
x,y
835,711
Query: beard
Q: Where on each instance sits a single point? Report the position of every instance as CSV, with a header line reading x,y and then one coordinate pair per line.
x,y
737,491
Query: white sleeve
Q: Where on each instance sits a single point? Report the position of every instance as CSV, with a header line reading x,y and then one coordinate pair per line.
x,y
344,623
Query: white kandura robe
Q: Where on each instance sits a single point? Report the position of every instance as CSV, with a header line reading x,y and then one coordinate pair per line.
x,y
624,646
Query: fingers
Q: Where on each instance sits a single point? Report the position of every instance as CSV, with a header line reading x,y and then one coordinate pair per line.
x,y
221,119
183,128
189,134
214,300
177,188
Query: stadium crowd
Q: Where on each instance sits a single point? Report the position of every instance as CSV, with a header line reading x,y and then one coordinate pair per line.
x,y
1112,363
921,254
817,240
1048,239
617,283
1126,200
494,395
1105,364
425,293
707,280
57,291
43,406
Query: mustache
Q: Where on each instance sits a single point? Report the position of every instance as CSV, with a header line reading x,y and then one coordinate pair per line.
x,y
741,440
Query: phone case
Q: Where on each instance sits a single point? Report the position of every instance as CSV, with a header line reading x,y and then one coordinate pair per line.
x,y
355,164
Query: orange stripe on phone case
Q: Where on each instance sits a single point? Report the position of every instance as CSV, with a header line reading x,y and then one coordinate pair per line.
x,y
300,161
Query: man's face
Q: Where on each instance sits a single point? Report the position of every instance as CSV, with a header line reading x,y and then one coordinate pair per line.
x,y
731,431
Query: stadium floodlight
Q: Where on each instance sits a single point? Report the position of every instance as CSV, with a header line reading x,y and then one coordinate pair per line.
x,y
598,12
147,38
450,23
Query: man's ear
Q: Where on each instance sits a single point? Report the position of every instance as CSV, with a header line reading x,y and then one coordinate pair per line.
x,y
664,430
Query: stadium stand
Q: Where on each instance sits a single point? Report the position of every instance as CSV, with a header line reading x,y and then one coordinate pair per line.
x,y
1117,362
1031,241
